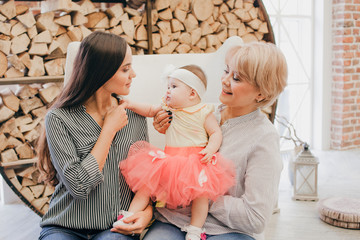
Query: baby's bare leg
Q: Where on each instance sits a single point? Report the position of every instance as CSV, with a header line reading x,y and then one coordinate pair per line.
x,y
199,211
140,201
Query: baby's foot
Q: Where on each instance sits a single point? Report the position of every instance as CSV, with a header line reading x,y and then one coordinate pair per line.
x,y
123,214
194,233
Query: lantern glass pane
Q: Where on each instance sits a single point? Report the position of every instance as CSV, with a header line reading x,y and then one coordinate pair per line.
x,y
305,179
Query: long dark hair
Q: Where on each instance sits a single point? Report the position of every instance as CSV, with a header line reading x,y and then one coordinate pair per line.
x,y
100,56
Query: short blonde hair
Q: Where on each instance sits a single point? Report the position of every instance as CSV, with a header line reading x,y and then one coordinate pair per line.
x,y
263,65
197,71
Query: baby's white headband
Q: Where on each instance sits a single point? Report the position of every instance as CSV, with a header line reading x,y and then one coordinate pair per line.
x,y
189,79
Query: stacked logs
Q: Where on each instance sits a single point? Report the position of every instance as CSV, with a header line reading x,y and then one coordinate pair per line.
x,y
25,180
36,45
21,118
197,26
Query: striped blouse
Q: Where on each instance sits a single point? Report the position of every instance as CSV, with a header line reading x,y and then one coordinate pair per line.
x,y
87,198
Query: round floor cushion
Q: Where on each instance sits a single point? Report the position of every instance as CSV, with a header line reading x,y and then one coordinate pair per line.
x,y
340,212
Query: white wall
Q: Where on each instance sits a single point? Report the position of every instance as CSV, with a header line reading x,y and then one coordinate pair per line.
x,y
7,196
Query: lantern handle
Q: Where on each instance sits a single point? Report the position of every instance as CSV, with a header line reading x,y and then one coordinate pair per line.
x,y
306,146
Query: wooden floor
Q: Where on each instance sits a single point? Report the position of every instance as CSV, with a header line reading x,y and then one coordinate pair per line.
x,y
339,175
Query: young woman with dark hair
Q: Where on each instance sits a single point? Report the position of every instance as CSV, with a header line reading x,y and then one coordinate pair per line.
x,y
88,131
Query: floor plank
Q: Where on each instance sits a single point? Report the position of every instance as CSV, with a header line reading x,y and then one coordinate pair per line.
x,y
18,222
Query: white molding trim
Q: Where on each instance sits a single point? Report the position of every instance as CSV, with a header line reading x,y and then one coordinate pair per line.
x,y
321,95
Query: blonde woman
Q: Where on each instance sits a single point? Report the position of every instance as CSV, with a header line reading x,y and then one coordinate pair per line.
x,y
254,76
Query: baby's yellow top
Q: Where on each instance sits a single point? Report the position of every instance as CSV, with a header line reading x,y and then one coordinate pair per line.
x,y
187,127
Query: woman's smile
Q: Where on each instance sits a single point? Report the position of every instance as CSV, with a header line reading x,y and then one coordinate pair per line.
x,y
226,92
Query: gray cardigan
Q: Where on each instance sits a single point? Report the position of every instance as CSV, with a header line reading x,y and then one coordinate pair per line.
x,y
252,142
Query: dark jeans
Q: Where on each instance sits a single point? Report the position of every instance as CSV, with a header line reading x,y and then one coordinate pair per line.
x,y
60,233
165,231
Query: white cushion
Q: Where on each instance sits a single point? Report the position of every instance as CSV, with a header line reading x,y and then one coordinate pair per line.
x,y
148,86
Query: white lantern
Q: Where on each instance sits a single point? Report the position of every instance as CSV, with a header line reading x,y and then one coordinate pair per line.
x,y
305,176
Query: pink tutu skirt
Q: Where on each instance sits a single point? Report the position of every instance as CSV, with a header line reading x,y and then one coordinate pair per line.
x,y
176,176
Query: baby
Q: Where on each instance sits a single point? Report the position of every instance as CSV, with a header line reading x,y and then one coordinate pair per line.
x,y
189,170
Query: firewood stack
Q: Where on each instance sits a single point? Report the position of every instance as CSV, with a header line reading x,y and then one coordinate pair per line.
x,y
21,118
197,26
36,45
25,181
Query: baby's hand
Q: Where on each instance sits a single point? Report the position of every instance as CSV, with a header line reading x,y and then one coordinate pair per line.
x,y
126,102
209,156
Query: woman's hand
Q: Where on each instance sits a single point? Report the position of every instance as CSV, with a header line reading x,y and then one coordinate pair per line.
x,y
140,221
116,117
162,121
